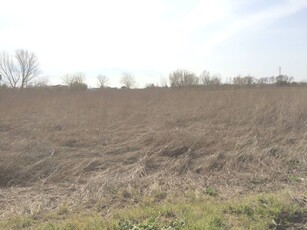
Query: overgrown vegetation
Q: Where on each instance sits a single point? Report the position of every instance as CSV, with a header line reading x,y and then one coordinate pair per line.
x,y
176,158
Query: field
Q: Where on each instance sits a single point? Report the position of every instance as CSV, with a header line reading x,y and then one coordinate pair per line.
x,y
189,158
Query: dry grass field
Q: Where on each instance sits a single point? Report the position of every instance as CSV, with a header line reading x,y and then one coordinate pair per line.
x,y
124,156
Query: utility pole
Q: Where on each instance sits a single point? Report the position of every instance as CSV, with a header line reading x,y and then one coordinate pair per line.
x,y
279,71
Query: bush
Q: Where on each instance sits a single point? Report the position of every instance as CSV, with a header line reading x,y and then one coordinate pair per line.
x,y
4,86
78,86
150,85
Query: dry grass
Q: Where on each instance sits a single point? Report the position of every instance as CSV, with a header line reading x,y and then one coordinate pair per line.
x,y
108,149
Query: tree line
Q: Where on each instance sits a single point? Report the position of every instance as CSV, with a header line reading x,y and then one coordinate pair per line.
x,y
22,69
180,78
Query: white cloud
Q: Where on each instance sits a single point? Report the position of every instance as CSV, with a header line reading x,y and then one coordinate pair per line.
x,y
257,20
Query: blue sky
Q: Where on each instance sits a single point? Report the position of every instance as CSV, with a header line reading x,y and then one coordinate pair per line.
x,y
152,38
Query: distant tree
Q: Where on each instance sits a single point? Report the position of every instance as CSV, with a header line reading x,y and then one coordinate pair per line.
x,y
216,79
75,81
238,80
128,80
181,78
2,86
250,80
229,80
150,85
207,79
163,82
272,80
244,81
283,80
8,70
20,70
42,82
102,81
263,81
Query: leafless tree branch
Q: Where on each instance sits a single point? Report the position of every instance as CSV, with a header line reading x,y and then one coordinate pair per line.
x,y
28,66
21,70
102,81
128,80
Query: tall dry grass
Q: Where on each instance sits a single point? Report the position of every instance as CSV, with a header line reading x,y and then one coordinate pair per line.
x,y
84,147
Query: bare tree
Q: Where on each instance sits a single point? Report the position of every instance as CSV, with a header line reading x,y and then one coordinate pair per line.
x,y
272,80
210,80
28,66
9,70
163,82
128,80
180,78
250,80
20,70
102,81
283,80
264,81
244,81
75,81
216,79
205,78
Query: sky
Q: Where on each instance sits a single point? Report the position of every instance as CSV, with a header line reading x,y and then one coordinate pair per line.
x,y
151,38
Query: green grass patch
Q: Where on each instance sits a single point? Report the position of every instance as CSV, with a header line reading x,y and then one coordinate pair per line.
x,y
264,211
